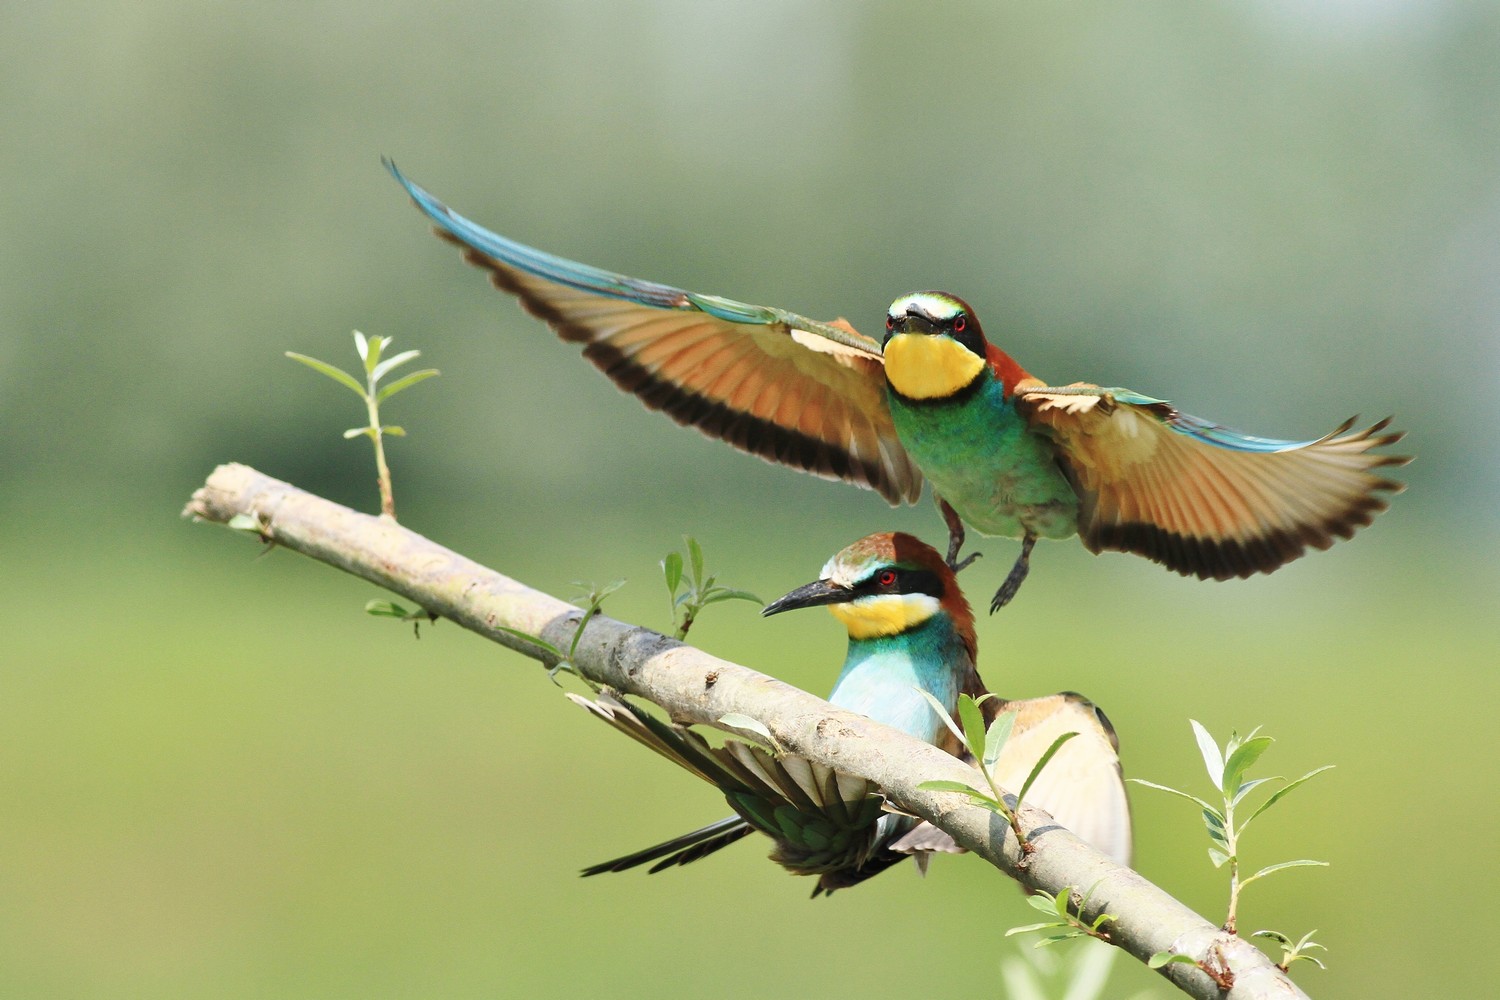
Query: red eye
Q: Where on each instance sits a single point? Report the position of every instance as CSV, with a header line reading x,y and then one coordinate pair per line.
x,y
959,324
890,324
886,578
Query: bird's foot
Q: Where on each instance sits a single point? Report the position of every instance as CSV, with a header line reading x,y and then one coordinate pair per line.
x,y
1016,576
955,536
959,567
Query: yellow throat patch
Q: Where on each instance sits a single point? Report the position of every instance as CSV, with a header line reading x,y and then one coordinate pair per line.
x,y
922,366
885,614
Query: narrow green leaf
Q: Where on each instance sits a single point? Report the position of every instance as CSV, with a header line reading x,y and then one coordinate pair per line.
x,y
1240,761
1210,752
997,737
1276,936
372,353
600,593
1269,869
395,361
355,432
1168,958
1214,820
1166,788
1028,928
385,609
1218,857
405,382
734,720
1066,935
942,713
695,557
361,345
732,595
1247,787
536,641
1044,901
1308,942
1041,763
337,374
1281,792
393,430
944,785
671,568
973,722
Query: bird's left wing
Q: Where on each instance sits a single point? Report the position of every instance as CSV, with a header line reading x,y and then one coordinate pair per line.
x,y
1201,499
792,390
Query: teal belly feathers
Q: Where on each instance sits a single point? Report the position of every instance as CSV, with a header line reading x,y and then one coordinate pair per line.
x,y
978,454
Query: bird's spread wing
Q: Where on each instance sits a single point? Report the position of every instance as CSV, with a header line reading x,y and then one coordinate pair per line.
x,y
1201,499
1082,786
791,390
822,820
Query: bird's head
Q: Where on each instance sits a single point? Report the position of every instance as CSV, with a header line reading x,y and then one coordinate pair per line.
x,y
884,585
934,346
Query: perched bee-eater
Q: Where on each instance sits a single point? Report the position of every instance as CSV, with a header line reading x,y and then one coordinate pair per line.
x,y
910,630
1006,453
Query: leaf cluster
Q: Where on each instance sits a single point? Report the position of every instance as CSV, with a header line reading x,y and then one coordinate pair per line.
x,y
1067,921
697,589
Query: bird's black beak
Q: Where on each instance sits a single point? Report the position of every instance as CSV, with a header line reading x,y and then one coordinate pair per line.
x,y
914,322
808,596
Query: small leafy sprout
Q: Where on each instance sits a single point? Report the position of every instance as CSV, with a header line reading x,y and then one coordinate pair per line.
x,y
373,394
594,596
1226,770
254,523
1294,952
986,746
1068,922
1219,972
250,524
390,609
699,591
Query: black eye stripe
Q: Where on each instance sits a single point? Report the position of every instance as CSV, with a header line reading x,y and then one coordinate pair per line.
x,y
908,581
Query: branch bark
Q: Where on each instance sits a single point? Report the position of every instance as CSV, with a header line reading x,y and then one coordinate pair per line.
x,y
694,686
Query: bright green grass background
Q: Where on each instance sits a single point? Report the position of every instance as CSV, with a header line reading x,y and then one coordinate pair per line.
x,y
218,778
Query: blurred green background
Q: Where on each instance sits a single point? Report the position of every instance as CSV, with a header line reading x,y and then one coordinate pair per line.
x,y
219,778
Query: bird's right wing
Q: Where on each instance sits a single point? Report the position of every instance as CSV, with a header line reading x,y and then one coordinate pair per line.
x,y
1199,498
792,390
1082,786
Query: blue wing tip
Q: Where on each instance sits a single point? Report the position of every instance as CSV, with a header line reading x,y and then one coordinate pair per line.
x,y
433,208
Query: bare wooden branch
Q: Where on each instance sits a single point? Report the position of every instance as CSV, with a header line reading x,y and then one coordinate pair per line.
x,y
697,687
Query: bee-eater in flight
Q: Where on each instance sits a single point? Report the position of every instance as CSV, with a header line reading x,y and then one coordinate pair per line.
x,y
910,631
1006,453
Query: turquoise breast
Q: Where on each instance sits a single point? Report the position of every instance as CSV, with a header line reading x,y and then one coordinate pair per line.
x,y
979,455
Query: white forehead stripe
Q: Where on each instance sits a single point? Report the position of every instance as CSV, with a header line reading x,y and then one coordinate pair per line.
x,y
938,307
841,575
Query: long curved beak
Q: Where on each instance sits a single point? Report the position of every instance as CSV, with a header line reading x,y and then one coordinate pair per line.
x,y
808,596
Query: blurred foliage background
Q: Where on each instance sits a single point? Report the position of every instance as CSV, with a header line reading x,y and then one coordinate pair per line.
x,y
219,778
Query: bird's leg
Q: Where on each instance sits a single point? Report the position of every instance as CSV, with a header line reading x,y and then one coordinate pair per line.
x,y
1017,574
955,537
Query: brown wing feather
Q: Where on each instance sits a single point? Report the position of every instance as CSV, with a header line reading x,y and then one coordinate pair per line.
x,y
1149,481
789,398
